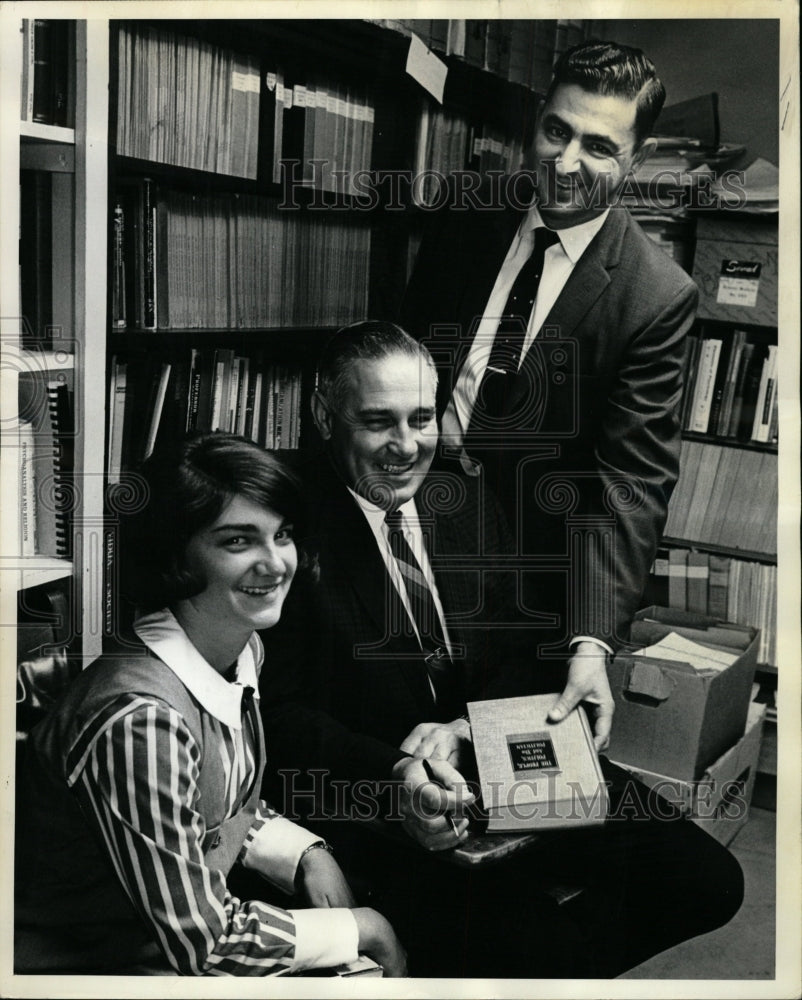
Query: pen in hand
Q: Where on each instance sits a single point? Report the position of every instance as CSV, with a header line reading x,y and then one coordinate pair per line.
x,y
427,767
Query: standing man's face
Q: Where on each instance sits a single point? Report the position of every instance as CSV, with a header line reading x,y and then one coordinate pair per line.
x,y
383,437
584,148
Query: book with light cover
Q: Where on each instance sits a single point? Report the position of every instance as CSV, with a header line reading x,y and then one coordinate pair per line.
x,y
535,774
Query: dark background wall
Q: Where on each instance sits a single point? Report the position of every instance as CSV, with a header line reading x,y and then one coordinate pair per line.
x,y
737,58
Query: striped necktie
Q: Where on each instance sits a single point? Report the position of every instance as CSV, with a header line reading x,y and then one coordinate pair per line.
x,y
424,613
505,355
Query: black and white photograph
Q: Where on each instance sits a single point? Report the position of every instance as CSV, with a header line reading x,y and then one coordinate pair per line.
x,y
454,364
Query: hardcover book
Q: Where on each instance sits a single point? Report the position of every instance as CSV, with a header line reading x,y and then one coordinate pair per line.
x,y
535,774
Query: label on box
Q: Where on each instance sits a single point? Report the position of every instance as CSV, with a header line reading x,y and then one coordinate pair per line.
x,y
531,752
738,283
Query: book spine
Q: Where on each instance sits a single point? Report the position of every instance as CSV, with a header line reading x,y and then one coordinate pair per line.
x,y
149,256
118,294
766,397
28,50
27,490
706,377
158,407
750,394
117,421
678,579
698,573
42,72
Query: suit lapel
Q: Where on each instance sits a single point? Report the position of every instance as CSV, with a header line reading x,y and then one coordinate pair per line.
x,y
589,278
352,544
587,282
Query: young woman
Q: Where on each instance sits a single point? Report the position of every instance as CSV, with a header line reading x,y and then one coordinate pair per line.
x,y
143,784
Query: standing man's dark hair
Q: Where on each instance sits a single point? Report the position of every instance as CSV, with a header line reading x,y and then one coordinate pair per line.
x,y
610,68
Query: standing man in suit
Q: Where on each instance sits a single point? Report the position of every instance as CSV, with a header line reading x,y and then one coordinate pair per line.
x,y
560,327
367,677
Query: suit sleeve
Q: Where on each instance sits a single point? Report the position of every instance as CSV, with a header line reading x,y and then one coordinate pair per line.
x,y
306,743
637,458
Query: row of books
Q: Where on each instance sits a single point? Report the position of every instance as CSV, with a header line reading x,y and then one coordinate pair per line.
x,y
233,261
208,389
48,81
325,125
186,102
45,451
731,387
446,141
725,496
521,51
441,145
730,589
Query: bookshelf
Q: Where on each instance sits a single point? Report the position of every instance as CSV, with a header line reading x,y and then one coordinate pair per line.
x,y
719,551
285,254
53,329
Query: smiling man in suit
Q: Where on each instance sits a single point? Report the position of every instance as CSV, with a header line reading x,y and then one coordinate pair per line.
x,y
368,676
559,330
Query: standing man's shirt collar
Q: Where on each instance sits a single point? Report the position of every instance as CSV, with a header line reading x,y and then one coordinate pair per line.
x,y
575,239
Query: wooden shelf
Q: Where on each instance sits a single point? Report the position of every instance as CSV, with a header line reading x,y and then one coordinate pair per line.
x,y
769,447
32,571
292,342
37,132
748,555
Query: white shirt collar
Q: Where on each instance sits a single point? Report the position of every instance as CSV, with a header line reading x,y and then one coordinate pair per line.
x,y
575,239
162,634
376,515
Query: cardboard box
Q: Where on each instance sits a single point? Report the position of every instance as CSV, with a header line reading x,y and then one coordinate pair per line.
x,y
671,718
735,267
719,801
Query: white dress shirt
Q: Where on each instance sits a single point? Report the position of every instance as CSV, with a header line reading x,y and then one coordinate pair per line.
x,y
558,264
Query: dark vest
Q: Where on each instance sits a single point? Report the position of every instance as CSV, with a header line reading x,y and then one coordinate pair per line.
x,y
71,910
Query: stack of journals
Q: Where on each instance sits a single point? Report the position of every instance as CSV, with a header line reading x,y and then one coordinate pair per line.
x,y
442,146
731,387
185,102
211,389
723,587
720,497
237,262
492,149
325,125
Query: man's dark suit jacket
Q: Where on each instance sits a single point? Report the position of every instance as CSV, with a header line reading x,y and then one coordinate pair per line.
x,y
339,694
341,691
594,428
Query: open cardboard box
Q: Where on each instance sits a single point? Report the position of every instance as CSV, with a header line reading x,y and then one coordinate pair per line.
x,y
670,718
719,801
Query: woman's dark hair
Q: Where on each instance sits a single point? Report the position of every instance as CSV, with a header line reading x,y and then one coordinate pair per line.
x,y
186,486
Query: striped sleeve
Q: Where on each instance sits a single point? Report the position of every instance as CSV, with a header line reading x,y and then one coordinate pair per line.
x,y
135,770
274,847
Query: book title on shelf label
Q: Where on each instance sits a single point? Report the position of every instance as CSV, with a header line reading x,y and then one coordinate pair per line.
x,y
738,283
531,752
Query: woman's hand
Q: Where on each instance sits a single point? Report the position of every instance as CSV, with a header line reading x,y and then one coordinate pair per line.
x,y
377,940
321,881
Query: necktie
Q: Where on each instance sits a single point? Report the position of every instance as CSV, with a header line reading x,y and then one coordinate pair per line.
x,y
438,663
505,355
